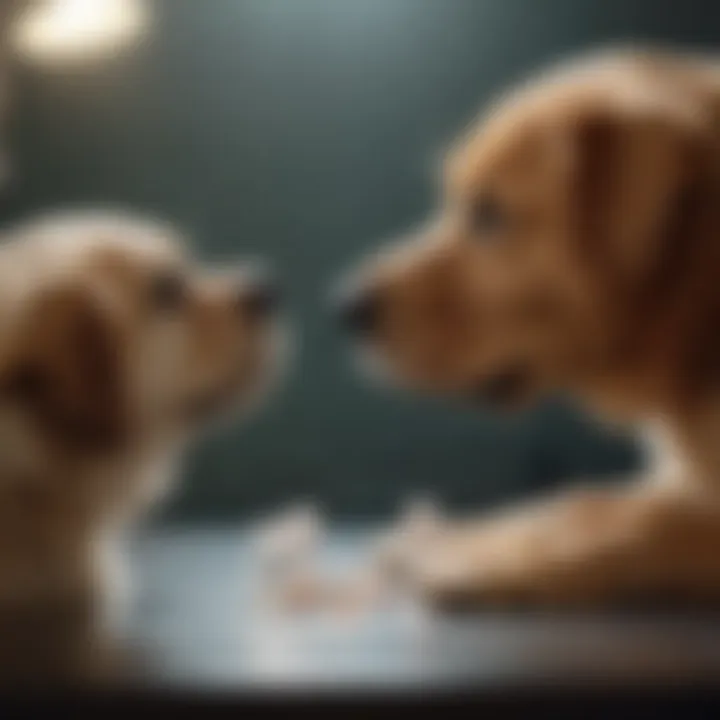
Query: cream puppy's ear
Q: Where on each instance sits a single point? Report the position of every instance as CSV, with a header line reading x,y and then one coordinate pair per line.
x,y
67,369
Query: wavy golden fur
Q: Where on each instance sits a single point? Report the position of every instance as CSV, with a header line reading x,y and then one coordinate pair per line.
x,y
577,249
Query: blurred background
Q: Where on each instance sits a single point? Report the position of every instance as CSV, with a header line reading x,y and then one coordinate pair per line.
x,y
308,131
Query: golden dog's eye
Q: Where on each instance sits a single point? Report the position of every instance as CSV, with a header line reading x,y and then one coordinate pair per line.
x,y
168,291
488,217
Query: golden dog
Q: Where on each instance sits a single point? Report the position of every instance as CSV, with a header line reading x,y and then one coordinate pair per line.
x,y
578,248
115,348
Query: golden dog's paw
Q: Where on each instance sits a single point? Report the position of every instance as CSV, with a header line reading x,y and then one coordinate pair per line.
x,y
461,587
455,599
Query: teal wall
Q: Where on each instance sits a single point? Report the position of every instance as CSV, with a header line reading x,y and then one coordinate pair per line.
x,y
306,130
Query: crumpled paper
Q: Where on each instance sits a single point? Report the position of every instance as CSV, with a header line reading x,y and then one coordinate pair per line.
x,y
289,548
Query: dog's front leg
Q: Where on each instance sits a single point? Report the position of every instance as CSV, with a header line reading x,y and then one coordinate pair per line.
x,y
582,549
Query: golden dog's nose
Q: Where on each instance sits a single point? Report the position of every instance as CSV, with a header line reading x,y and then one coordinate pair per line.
x,y
359,311
259,298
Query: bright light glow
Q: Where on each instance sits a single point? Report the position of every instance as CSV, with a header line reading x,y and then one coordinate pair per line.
x,y
68,30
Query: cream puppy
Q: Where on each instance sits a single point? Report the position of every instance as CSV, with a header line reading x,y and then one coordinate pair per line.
x,y
115,350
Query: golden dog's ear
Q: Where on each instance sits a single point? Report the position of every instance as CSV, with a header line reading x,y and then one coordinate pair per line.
x,y
68,369
647,206
642,178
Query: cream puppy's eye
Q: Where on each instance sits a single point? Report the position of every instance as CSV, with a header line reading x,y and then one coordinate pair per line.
x,y
488,217
168,291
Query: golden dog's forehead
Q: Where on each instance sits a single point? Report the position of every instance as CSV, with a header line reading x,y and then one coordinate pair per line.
x,y
512,134
530,124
